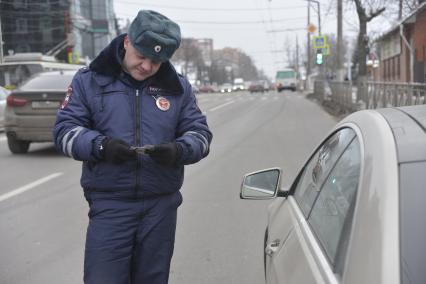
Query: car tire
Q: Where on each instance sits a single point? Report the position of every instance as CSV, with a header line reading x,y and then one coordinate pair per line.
x,y
18,146
264,253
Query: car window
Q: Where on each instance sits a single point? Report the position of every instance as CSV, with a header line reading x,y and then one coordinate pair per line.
x,y
332,211
48,82
318,168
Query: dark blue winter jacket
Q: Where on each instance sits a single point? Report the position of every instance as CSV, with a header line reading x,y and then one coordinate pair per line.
x,y
103,101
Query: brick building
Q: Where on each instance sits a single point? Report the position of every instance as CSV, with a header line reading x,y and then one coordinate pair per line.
x,y
402,50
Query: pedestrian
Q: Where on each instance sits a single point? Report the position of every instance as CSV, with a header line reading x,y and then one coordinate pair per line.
x,y
131,96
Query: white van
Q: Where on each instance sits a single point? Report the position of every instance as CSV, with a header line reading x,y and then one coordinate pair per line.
x,y
286,79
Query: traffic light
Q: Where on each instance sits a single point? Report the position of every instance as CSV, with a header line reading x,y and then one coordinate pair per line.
x,y
320,57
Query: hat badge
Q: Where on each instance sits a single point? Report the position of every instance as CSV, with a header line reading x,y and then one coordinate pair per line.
x,y
157,48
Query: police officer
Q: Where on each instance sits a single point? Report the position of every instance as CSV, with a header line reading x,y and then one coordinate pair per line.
x,y
131,96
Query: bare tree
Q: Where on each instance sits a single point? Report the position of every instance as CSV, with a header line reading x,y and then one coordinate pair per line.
x,y
190,54
408,6
375,8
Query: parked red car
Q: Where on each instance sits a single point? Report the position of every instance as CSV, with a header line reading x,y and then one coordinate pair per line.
x,y
206,89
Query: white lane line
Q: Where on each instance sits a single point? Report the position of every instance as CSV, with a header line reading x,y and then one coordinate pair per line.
x,y
221,106
28,186
3,139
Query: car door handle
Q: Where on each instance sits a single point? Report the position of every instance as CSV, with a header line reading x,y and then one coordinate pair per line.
x,y
272,247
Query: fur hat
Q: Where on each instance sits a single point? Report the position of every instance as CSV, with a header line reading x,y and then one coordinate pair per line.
x,y
154,35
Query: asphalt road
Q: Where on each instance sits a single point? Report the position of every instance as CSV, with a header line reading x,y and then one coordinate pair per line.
x,y
43,215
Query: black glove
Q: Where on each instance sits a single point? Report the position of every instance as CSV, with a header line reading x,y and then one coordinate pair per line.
x,y
166,154
117,151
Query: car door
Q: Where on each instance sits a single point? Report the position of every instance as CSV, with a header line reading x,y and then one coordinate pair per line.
x,y
308,232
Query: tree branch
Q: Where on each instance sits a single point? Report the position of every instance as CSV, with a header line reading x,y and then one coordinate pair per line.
x,y
375,14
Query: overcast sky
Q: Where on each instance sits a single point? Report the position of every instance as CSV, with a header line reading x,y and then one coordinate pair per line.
x,y
250,25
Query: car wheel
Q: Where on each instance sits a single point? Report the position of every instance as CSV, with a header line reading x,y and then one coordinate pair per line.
x,y
17,146
264,253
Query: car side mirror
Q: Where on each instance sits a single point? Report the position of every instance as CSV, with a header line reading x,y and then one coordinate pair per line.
x,y
263,184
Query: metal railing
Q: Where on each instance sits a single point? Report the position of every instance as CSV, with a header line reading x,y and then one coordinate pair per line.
x,y
370,95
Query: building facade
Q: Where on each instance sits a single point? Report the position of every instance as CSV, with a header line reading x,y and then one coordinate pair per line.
x,y
68,29
402,50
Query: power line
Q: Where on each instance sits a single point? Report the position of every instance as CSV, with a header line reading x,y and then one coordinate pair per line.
x,y
227,23
206,9
286,30
34,30
31,3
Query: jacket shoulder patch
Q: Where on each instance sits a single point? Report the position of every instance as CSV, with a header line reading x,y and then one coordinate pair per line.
x,y
67,98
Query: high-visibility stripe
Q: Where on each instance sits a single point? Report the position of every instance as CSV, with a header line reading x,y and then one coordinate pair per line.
x,y
68,140
201,138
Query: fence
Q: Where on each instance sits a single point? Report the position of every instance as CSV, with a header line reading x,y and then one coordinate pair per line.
x,y
370,95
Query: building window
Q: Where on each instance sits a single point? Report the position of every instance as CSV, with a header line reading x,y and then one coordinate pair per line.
x,y
21,25
389,70
45,23
398,67
44,4
20,3
384,69
393,68
23,47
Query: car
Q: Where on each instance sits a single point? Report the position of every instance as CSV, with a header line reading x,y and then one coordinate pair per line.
x,y
238,85
195,89
207,89
226,88
354,213
31,109
3,94
258,86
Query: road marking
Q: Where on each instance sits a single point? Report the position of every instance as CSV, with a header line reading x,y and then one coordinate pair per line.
x,y
221,106
3,139
28,186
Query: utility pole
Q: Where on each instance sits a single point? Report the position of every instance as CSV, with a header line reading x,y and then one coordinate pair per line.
x,y
1,44
319,17
92,34
319,14
400,10
297,59
339,41
308,68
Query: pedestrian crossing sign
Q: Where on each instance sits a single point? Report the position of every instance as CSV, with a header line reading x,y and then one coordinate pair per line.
x,y
320,42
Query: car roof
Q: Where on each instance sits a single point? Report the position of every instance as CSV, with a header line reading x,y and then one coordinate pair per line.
x,y
408,125
58,72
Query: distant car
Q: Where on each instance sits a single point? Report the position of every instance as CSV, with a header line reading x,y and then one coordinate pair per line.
x,y
258,86
207,89
354,212
195,89
3,94
31,109
238,85
226,88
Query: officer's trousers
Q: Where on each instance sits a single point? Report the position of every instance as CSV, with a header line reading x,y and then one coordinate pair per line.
x,y
130,241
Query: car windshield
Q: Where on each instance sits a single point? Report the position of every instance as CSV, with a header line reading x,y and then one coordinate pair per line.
x,y
48,82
